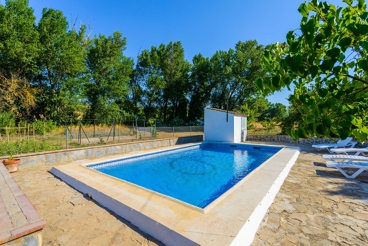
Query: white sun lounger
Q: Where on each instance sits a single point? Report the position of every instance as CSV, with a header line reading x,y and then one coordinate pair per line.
x,y
340,144
345,157
361,166
345,151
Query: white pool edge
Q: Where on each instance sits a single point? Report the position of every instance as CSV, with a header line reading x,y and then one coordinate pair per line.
x,y
247,233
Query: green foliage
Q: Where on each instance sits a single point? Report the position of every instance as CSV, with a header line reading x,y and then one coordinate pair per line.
x,y
53,71
109,72
10,149
259,109
234,74
163,73
269,124
19,46
256,108
194,123
62,65
7,119
326,60
101,140
154,131
292,120
24,146
201,86
177,122
42,127
19,49
277,112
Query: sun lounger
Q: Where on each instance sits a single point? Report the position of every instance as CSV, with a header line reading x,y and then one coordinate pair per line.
x,y
357,151
340,144
360,166
345,157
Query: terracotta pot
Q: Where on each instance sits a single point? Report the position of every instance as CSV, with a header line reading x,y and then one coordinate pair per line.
x,y
12,165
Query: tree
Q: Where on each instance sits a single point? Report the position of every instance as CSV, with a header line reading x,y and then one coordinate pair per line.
x,y
13,90
326,60
259,109
19,45
109,74
256,108
234,74
164,73
62,65
19,49
201,86
277,112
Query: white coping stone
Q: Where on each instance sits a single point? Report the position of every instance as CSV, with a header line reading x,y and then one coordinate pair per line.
x,y
248,231
167,235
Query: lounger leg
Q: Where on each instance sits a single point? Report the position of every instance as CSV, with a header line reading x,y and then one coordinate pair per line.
x,y
354,175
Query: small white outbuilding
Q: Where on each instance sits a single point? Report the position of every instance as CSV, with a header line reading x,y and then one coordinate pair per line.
x,y
224,126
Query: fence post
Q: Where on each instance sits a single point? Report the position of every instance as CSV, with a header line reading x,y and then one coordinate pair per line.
x,y
94,128
66,136
118,134
173,131
113,130
80,133
190,130
34,137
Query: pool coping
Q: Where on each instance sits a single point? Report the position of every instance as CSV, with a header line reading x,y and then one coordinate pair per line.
x,y
233,220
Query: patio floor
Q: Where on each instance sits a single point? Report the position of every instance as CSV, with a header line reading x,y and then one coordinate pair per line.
x,y
315,206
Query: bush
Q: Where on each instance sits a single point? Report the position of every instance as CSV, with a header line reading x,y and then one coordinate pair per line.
x,y
177,122
195,123
7,119
42,127
25,146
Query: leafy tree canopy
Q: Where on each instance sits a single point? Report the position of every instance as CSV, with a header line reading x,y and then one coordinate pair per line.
x,y
163,73
19,45
61,65
109,75
327,61
234,74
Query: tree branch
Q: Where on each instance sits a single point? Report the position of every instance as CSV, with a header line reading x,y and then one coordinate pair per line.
x,y
354,78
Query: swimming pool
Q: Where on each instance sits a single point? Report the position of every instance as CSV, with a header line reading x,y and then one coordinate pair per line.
x,y
197,175
232,219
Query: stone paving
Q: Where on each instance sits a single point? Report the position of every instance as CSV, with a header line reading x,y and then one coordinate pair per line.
x,y
315,206
18,216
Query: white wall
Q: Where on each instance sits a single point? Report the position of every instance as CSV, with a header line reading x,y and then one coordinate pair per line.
x,y
216,128
244,127
237,129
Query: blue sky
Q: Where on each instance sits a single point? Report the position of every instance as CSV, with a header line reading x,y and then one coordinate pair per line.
x,y
202,26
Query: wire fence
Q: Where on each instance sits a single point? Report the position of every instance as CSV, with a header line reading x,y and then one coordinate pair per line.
x,y
31,138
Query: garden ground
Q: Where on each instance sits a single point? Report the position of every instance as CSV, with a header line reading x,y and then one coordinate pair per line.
x,y
315,206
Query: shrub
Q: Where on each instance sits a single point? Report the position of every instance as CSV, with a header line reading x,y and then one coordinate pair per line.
x,y
42,127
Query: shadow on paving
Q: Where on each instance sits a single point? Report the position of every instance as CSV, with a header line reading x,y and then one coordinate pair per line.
x,y
354,188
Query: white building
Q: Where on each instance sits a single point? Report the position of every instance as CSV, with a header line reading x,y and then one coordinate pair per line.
x,y
223,126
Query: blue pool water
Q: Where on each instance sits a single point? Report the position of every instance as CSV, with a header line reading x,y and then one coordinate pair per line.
x,y
196,175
